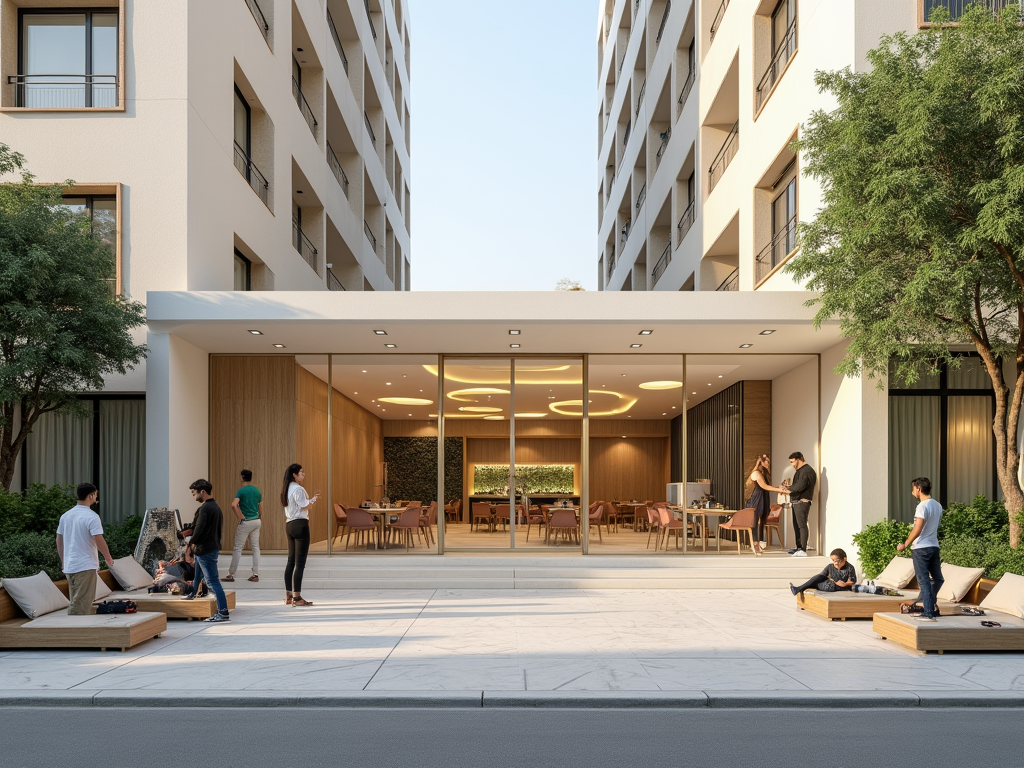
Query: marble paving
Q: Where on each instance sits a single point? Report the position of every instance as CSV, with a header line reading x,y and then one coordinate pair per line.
x,y
514,640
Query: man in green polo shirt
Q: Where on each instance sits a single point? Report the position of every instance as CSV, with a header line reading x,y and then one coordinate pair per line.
x,y
248,507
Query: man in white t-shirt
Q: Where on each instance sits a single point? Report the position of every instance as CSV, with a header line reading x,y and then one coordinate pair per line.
x,y
924,537
79,538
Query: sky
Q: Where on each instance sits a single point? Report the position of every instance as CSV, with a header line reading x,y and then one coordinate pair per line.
x,y
504,144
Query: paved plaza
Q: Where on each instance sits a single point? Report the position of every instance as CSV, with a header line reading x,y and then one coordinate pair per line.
x,y
553,643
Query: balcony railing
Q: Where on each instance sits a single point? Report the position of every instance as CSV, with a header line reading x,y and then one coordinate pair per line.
x,y
773,254
664,21
611,264
370,236
640,98
665,136
662,264
252,174
626,228
333,283
724,156
337,41
304,247
337,170
687,220
369,128
64,91
691,78
732,282
369,18
629,127
717,22
304,108
641,197
261,20
779,61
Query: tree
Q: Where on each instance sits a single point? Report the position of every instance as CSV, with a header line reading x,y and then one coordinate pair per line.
x,y
566,284
920,242
61,330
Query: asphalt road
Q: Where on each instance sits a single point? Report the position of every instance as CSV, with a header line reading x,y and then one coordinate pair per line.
x,y
408,738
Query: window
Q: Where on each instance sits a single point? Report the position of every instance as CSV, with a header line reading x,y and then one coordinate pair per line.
x,y
784,40
102,213
68,59
243,125
243,272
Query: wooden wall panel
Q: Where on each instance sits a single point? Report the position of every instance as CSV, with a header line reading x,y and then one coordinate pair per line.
x,y
311,445
528,451
252,426
636,468
757,425
357,453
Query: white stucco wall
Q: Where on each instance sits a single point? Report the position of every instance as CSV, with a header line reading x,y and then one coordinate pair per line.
x,y
795,428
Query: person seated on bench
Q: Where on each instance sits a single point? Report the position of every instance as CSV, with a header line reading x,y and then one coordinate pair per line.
x,y
840,576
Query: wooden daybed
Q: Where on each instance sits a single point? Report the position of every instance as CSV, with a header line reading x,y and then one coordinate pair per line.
x,y
952,632
840,606
173,606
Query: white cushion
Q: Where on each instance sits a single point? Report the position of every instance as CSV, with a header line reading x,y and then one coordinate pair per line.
x,y
1007,596
129,574
102,590
897,574
958,581
36,595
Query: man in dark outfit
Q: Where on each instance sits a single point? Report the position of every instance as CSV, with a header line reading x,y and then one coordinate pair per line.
x,y
840,576
205,546
801,493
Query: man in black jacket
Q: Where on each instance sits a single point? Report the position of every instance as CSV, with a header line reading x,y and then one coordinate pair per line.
x,y
205,545
801,494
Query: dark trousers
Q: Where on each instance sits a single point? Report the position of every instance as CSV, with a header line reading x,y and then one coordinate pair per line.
x,y
298,549
207,565
801,512
928,568
760,529
821,583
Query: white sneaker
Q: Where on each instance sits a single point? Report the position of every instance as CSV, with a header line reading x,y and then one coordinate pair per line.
x,y
799,553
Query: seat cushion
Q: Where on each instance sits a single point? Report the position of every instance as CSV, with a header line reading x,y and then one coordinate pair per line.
x,y
897,574
958,581
1007,596
129,574
102,590
36,595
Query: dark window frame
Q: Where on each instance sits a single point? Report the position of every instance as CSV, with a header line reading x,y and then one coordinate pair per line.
x,y
248,123
248,269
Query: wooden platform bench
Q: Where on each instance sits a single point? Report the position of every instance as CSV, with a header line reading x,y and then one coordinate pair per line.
x,y
952,632
172,606
840,606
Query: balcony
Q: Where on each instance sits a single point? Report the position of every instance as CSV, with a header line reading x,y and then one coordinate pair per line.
x,y
252,174
785,52
641,197
773,254
261,20
665,136
303,105
64,91
724,157
369,129
732,282
717,22
664,21
337,41
304,247
337,170
333,283
691,78
626,229
611,264
686,221
370,236
662,264
640,98
373,29
629,128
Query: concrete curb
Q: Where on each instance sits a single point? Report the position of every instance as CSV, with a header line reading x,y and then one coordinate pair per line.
x,y
520,699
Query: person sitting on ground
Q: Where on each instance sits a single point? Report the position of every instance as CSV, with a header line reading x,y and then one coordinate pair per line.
x,y
840,576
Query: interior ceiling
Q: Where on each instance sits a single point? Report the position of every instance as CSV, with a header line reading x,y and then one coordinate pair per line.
x,y
546,388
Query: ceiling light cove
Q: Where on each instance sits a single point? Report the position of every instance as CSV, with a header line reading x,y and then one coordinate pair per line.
x,y
479,409
661,385
406,400
494,418
621,404
530,415
470,395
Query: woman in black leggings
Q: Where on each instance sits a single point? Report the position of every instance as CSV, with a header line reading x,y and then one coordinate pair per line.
x,y
296,511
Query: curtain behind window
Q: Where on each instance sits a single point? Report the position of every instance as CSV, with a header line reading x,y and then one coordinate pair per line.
x,y
122,459
914,432
59,450
969,436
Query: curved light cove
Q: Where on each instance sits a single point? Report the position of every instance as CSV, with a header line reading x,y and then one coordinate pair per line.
x,y
500,374
406,400
495,418
531,415
479,409
661,385
623,404
470,395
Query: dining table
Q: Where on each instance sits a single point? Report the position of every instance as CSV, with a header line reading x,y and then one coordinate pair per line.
x,y
700,517
634,505
381,515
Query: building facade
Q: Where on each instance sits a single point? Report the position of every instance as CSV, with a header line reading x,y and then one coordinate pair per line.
x,y
245,145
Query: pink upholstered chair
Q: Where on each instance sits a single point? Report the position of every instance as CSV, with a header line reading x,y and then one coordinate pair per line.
x,y
360,522
481,514
653,524
502,516
741,521
596,513
341,521
563,521
534,517
427,522
406,523
774,522
669,526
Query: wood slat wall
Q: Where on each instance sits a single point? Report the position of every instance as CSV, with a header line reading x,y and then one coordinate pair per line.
x,y
636,468
357,451
757,426
311,445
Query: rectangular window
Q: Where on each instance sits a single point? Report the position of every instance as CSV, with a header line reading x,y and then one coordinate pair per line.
x,y
102,212
243,272
783,18
68,59
784,223
243,125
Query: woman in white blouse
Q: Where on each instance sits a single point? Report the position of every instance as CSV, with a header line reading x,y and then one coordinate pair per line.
x,y
296,511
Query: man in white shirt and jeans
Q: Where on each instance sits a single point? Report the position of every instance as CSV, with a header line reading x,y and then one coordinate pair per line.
x,y
79,538
925,540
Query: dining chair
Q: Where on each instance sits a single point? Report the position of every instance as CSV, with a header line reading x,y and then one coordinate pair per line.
x,y
774,522
360,522
534,516
481,513
563,521
341,521
406,523
502,515
611,517
669,525
653,524
597,512
626,515
741,521
428,520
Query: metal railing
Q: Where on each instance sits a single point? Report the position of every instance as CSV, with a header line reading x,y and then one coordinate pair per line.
x,y
336,169
64,91
640,98
662,264
687,220
629,128
664,21
779,60
305,248
369,235
611,263
337,41
373,29
717,22
252,174
731,283
626,229
333,283
304,108
724,156
691,78
369,128
773,254
665,136
261,20
641,196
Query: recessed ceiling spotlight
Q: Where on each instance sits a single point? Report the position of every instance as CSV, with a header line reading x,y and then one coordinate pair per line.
x,y
746,346
635,346
355,393
645,333
709,384
623,437
256,333
279,346
390,346
514,346
410,414
388,384
673,407
514,333
364,371
664,414
381,333
766,333
719,376
693,393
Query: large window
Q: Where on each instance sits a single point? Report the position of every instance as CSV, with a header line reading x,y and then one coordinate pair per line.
x,y
68,59
102,212
243,272
784,217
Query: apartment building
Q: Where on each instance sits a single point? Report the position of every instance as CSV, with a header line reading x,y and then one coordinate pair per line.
x,y
699,102
219,145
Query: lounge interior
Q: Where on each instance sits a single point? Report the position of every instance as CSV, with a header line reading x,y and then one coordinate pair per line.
x,y
365,428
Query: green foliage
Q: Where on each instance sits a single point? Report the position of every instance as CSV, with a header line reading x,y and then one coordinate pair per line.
x,y
876,545
537,478
61,329
979,519
967,551
35,511
1002,558
122,538
26,554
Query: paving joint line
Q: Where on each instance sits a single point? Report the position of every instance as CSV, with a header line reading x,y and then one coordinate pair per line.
x,y
423,607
